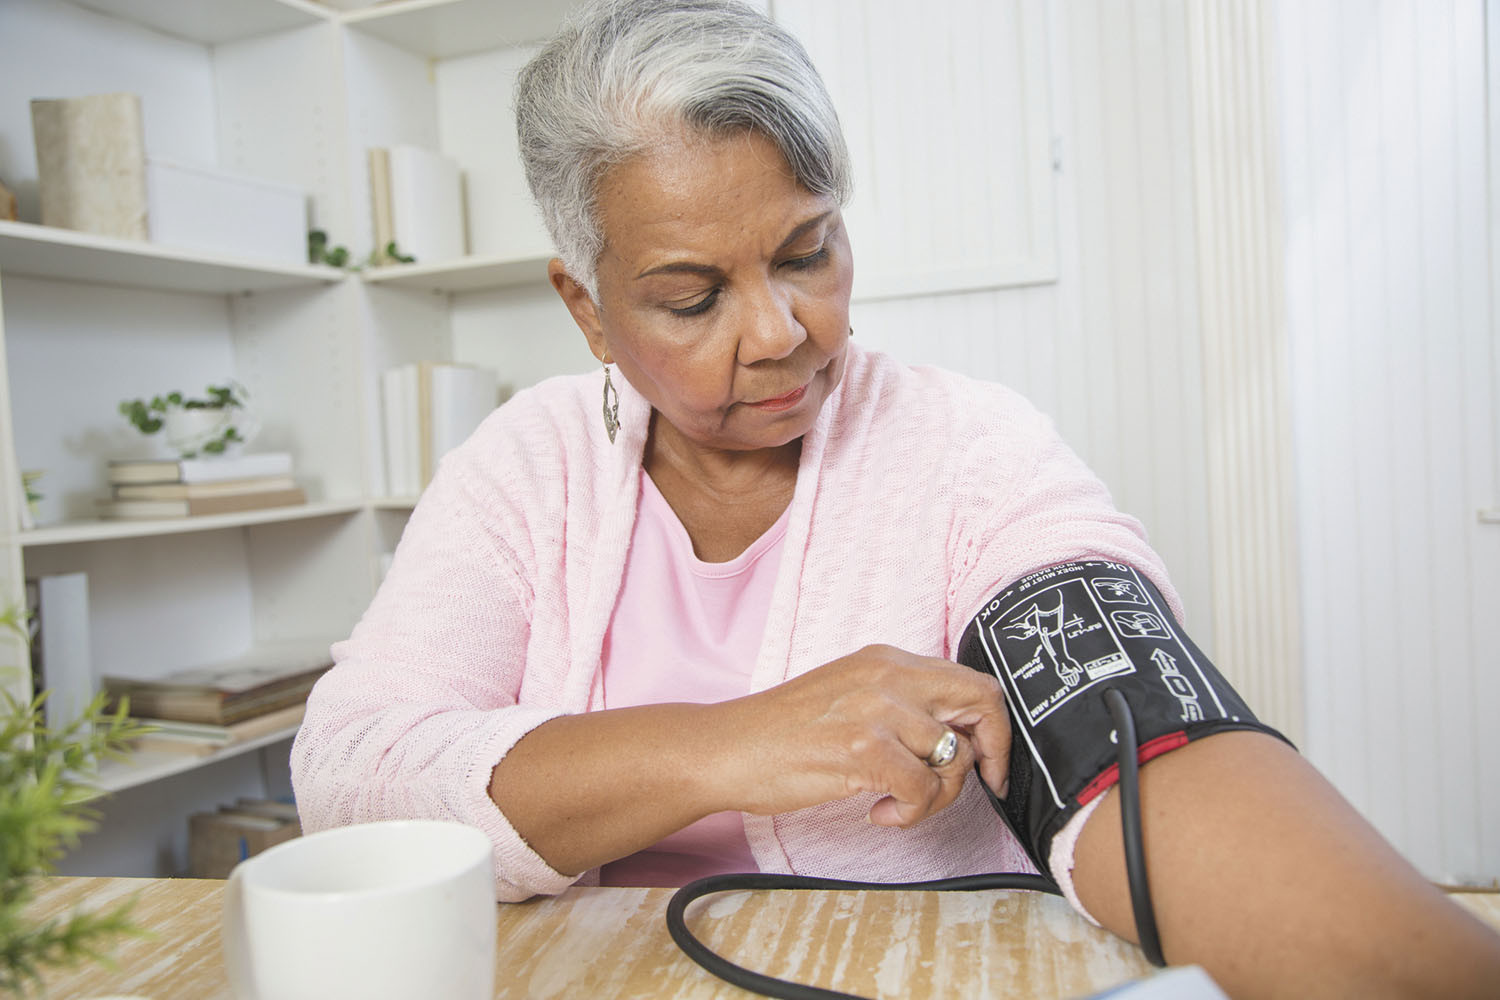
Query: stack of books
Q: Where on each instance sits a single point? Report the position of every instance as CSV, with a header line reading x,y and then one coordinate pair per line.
x,y
187,487
202,710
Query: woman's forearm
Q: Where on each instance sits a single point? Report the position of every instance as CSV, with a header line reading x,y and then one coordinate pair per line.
x,y
583,790
1264,875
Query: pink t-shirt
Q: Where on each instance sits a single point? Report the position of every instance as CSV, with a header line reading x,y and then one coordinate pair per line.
x,y
685,630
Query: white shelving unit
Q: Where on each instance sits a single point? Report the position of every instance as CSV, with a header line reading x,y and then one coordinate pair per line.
x,y
47,252
470,275
294,92
147,766
102,530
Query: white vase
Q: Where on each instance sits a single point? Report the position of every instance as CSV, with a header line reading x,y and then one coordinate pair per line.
x,y
188,430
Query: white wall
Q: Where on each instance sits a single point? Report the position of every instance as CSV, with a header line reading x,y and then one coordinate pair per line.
x,y
1394,354
1111,347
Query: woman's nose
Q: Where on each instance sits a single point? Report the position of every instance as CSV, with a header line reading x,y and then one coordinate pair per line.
x,y
770,329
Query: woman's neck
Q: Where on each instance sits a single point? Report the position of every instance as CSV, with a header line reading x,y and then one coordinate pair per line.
x,y
725,499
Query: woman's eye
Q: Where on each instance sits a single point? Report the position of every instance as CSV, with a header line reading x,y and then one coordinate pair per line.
x,y
697,308
811,260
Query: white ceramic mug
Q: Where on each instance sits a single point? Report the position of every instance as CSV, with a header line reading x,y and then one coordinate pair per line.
x,y
381,911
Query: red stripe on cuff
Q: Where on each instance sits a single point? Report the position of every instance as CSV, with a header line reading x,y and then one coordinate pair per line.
x,y
1151,748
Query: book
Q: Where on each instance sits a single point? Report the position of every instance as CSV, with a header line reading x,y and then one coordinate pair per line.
x,y
452,400
91,164
200,739
269,678
380,201
200,470
197,506
9,204
61,660
195,491
400,421
427,204
430,408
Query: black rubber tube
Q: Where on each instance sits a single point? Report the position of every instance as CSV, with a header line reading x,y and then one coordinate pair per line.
x,y
771,986
1130,825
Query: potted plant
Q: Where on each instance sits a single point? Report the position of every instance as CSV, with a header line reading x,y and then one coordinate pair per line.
x,y
212,425
45,787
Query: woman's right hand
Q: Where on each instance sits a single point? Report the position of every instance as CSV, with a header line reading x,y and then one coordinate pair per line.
x,y
865,722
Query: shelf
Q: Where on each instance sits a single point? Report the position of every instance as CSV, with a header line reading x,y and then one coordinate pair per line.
x,y
101,530
216,22
467,274
394,503
1489,516
147,766
440,29
49,252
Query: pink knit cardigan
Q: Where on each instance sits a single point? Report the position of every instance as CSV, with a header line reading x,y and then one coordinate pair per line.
x,y
920,494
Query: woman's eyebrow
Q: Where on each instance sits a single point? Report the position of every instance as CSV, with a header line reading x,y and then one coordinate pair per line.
x,y
709,271
803,229
681,267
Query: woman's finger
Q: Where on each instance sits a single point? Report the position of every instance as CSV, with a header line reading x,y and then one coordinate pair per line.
x,y
921,789
975,702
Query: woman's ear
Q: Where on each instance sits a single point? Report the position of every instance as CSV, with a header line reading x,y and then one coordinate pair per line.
x,y
581,305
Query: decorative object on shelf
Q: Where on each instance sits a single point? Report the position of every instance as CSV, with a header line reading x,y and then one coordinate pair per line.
x,y
91,164
27,510
46,775
218,841
431,407
212,425
29,480
319,252
9,205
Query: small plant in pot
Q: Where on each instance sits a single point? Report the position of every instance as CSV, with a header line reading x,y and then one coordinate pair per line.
x,y
216,424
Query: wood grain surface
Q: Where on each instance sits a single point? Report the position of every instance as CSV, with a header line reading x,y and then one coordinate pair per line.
x,y
602,943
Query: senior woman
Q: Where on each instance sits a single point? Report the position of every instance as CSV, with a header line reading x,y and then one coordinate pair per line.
x,y
712,627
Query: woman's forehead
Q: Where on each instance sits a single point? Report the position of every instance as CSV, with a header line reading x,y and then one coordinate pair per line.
x,y
698,193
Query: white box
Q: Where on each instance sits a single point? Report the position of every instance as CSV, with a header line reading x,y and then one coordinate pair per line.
x,y
204,208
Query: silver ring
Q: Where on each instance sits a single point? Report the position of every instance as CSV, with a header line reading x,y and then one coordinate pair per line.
x,y
945,751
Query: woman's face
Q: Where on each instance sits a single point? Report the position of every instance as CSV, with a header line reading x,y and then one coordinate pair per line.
x,y
723,291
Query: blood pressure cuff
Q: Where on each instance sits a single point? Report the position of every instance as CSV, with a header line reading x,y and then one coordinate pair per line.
x,y
1057,640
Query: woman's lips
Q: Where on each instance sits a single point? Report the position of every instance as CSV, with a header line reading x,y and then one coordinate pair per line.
x,y
779,403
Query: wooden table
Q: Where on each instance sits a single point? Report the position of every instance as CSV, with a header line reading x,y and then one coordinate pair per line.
x,y
605,943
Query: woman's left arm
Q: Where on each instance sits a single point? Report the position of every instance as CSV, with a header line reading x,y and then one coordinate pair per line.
x,y
1264,875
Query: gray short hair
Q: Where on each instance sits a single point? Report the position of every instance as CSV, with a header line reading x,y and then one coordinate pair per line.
x,y
622,71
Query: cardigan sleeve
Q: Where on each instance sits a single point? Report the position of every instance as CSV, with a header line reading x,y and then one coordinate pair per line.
x,y
1025,501
423,699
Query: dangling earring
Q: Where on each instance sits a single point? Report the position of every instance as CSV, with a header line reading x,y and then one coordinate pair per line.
x,y
611,407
